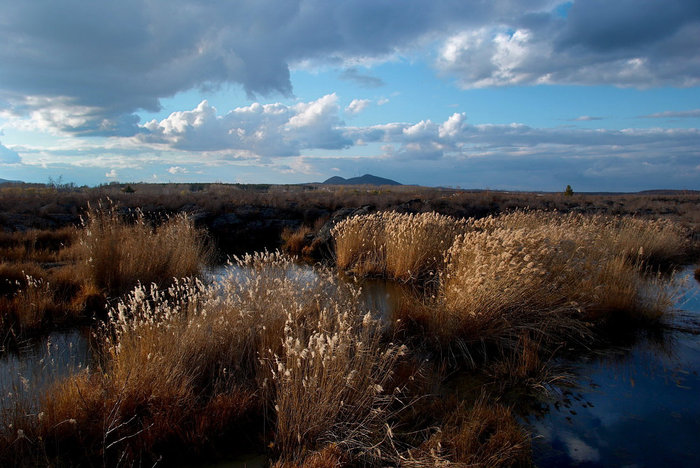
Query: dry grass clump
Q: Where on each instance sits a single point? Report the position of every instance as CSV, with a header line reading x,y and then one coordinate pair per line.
x,y
544,276
483,435
545,261
295,240
330,384
28,307
117,254
31,298
653,241
42,246
184,366
400,246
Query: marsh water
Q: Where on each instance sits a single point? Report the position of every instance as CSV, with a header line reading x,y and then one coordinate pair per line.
x,y
635,403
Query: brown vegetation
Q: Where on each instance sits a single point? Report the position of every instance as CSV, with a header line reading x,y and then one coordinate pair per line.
x,y
544,274
49,278
289,360
400,246
118,253
267,342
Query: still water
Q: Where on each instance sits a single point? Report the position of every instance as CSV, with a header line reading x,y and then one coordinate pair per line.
x,y
636,405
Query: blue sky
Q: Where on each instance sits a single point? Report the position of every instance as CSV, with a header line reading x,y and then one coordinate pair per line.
x,y
534,95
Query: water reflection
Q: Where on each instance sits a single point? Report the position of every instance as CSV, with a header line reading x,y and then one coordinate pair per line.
x,y
636,406
35,364
380,296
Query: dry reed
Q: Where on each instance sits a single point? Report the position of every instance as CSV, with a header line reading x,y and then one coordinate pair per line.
x,y
181,366
400,246
116,254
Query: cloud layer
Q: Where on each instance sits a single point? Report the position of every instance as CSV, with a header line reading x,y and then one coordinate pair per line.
x,y
82,67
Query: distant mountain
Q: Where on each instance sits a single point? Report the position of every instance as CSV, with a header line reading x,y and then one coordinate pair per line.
x,y
5,181
367,179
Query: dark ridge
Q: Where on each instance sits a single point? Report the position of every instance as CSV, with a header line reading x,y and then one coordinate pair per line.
x,y
367,179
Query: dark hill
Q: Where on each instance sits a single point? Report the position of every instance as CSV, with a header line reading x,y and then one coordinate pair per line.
x,y
367,179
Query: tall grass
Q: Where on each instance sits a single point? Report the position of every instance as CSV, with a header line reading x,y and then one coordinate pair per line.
x,y
548,276
32,298
118,253
484,434
653,241
184,365
544,273
400,246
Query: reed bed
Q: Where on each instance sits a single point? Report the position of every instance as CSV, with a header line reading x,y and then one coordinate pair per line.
x,y
406,247
543,273
185,365
117,253
654,241
41,246
33,298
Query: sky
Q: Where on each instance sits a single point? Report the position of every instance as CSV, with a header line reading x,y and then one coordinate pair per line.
x,y
483,94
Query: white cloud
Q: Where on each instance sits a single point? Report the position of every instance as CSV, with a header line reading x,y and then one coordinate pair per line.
x,y
177,170
452,126
357,105
623,43
87,68
267,130
111,174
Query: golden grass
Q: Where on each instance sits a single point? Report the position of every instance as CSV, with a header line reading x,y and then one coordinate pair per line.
x,y
32,298
289,358
294,240
184,365
542,273
330,384
653,241
117,254
41,246
484,435
400,246
570,262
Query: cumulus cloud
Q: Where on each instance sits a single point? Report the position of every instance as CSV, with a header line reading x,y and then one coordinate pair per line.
x,y
177,170
456,139
86,68
108,61
623,43
288,141
357,105
267,130
7,156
